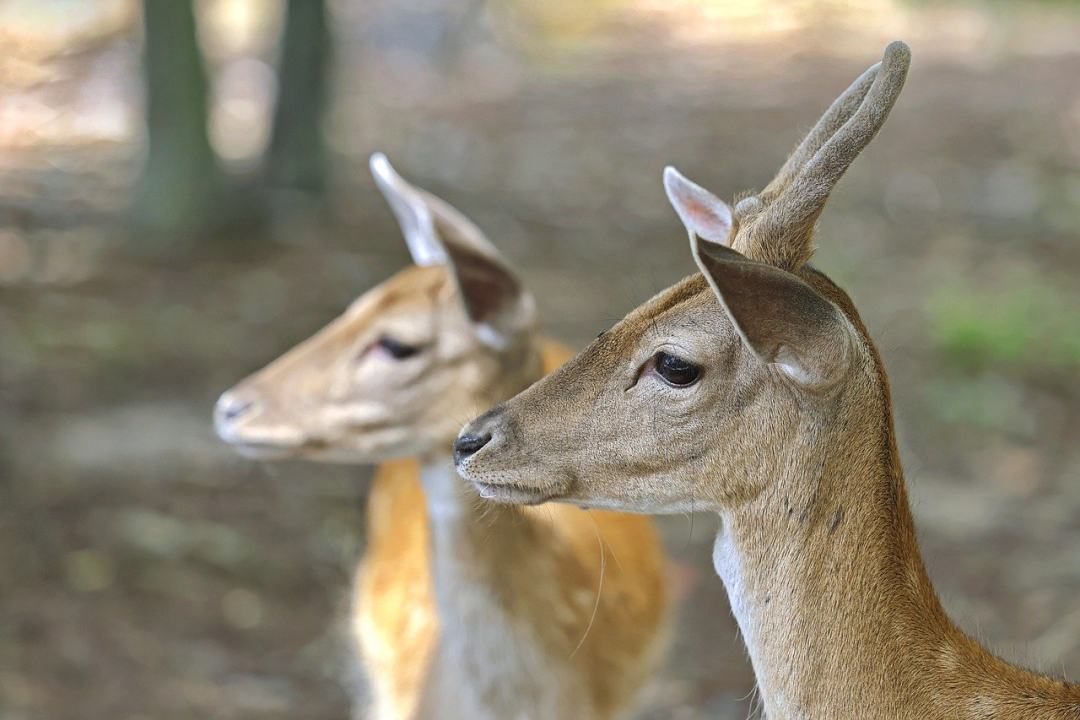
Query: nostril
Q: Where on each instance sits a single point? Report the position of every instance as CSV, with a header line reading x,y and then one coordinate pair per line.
x,y
467,445
234,408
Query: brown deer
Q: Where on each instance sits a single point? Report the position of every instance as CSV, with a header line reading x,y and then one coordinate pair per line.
x,y
753,390
461,610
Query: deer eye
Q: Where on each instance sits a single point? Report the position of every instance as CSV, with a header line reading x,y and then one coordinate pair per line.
x,y
675,371
397,350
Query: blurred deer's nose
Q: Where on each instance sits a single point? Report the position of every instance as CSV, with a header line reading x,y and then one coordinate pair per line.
x,y
467,445
230,407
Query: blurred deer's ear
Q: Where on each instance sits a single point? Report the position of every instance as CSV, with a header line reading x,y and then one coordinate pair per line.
x,y
494,299
412,213
438,234
780,317
703,214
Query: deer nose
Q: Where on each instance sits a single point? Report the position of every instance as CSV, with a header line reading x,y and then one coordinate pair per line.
x,y
230,407
467,445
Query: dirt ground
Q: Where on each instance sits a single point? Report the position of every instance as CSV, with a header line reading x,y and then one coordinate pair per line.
x,y
149,573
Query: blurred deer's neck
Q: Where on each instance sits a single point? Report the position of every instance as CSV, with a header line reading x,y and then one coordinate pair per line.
x,y
474,541
490,567
832,597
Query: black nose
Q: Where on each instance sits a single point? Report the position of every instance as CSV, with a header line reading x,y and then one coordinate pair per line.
x,y
467,445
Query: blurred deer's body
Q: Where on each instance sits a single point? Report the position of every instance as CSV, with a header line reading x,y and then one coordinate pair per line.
x,y
462,610
754,390
394,621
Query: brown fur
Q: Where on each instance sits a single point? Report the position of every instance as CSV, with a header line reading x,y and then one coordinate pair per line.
x,y
788,435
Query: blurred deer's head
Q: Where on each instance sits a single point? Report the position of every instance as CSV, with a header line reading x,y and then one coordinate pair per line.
x,y
709,391
407,362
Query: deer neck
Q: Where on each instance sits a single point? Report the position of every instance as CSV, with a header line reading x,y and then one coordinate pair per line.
x,y
833,600
826,582
816,601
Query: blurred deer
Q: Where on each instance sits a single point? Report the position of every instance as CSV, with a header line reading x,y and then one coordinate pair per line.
x,y
461,610
753,390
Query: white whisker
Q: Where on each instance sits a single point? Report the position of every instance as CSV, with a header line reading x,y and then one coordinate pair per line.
x,y
599,587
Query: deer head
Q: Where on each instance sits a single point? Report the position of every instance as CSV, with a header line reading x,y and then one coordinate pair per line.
x,y
407,362
707,393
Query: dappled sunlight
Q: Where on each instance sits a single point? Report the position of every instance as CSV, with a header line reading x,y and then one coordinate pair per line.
x,y
755,21
34,29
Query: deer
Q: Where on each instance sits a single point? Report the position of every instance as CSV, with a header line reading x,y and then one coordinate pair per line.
x,y
752,389
460,610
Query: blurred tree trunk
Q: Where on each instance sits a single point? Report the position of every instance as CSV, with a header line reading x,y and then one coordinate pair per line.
x,y
181,182
296,158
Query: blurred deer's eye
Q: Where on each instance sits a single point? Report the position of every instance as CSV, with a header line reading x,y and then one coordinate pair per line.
x,y
397,350
676,371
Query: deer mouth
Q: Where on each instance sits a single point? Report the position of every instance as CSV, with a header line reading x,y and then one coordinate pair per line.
x,y
514,493
266,444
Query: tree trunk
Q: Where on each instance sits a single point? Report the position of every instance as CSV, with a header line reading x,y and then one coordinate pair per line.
x,y
296,158
181,182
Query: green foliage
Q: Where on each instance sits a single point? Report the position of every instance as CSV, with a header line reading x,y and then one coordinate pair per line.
x,y
987,401
1024,324
296,157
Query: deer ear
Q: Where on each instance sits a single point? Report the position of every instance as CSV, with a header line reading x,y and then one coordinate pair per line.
x,y
494,299
779,316
412,213
437,234
703,214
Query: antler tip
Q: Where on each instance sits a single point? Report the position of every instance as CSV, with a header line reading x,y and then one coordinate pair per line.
x,y
897,53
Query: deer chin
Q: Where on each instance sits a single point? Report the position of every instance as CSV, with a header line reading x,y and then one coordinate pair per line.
x,y
266,443
271,444
266,451
513,494
508,487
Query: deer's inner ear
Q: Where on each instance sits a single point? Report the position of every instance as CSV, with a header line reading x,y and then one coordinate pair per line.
x,y
703,214
488,289
494,299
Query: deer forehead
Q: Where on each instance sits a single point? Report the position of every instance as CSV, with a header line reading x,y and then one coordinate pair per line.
x,y
404,303
415,289
688,307
420,304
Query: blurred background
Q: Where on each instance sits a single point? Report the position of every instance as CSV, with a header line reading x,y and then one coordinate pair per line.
x,y
184,195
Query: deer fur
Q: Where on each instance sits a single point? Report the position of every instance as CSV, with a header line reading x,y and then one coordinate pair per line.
x,y
787,433
460,610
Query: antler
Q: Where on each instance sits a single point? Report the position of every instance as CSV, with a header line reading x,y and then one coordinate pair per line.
x,y
776,225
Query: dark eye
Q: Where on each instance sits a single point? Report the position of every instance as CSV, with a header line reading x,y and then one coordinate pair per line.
x,y
675,370
398,350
